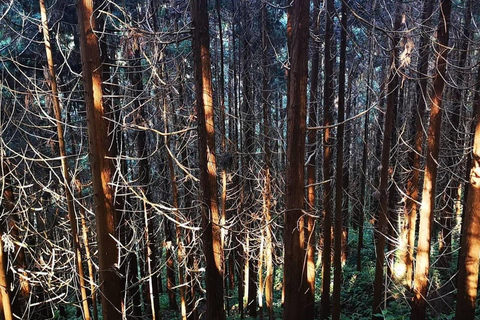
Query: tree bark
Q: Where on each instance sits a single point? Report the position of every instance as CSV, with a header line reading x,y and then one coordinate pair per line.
x,y
469,257
294,233
268,254
211,219
328,104
101,167
407,234
422,265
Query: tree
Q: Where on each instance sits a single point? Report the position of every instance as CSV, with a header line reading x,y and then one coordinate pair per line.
x,y
468,259
294,235
407,237
328,101
422,265
312,163
208,177
382,226
338,235
63,154
101,166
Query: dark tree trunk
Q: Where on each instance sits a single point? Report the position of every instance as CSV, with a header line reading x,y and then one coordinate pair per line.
x,y
294,234
338,236
212,242
382,225
328,104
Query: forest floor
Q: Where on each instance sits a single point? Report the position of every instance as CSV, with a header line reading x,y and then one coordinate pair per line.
x,y
356,294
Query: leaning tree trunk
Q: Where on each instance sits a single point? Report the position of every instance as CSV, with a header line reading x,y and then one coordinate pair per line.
x,y
422,265
211,220
294,235
64,165
101,167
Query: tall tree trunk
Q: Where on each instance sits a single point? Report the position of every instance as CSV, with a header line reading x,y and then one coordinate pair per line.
x,y
447,218
311,165
328,104
469,257
337,256
407,234
267,189
211,219
382,226
101,166
422,265
294,233
248,164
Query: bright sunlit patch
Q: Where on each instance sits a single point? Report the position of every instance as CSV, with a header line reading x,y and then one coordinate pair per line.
x,y
399,269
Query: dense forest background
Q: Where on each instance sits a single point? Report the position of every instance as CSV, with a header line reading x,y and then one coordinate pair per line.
x,y
174,159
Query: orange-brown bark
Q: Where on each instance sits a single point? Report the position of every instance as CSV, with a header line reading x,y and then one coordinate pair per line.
x,y
101,167
422,265
211,220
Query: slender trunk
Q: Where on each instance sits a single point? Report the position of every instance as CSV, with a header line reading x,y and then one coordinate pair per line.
x,y
63,154
422,265
268,242
294,233
328,103
88,256
447,218
382,225
407,235
363,177
337,256
5,281
311,166
101,166
211,219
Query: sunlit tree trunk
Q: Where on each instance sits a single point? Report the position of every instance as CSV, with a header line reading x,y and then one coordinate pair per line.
x,y
101,167
469,257
311,164
294,233
407,233
211,220
422,265
268,250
